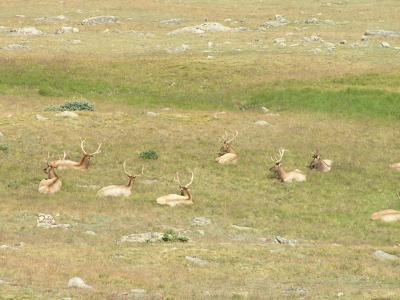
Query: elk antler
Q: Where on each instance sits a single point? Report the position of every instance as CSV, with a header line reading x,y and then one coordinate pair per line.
x,y
176,179
278,159
129,174
83,141
233,137
191,180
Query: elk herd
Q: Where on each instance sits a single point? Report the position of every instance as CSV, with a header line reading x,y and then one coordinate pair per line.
x,y
226,156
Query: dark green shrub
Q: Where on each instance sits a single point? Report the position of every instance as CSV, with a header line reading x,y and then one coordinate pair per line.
x,y
173,236
149,154
77,105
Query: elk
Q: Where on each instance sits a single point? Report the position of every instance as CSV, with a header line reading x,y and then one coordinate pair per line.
x,y
185,198
322,165
284,176
82,165
53,183
124,190
227,155
395,166
387,215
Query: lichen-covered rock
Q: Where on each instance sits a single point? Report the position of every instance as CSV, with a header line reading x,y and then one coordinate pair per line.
x,y
99,20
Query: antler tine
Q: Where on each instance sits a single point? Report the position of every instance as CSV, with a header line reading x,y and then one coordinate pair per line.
x,y
125,171
191,180
176,179
97,151
398,195
140,174
83,141
233,136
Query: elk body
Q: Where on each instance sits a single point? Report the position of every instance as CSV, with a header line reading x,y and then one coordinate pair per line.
x,y
322,165
124,190
395,166
83,164
227,155
53,183
387,215
185,198
284,176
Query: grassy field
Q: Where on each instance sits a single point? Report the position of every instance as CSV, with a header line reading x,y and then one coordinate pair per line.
x,y
346,102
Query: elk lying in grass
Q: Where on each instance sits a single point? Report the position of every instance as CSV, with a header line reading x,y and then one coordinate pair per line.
x,y
227,155
395,166
53,183
120,190
185,198
322,165
284,176
387,215
82,165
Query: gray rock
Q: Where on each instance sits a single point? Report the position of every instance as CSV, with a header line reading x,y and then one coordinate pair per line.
x,y
201,221
196,261
262,123
384,33
60,18
295,291
89,232
99,20
26,31
284,241
76,42
47,221
5,29
312,21
67,29
147,237
202,28
278,22
1,136
180,49
152,114
242,228
385,45
40,118
77,282
13,47
383,256
315,50
172,22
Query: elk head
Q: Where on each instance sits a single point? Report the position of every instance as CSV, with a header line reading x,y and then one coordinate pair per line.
x,y
227,143
316,159
278,160
87,156
130,176
50,168
184,189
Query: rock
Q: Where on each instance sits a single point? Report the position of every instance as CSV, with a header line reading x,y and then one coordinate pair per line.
x,y
13,47
385,45
210,45
202,28
147,237
315,50
99,20
196,261
179,49
67,114
2,282
26,31
172,22
312,21
240,295
383,256
201,221
89,232
384,33
242,228
295,291
17,246
280,42
343,42
1,136
66,29
282,240
60,18
76,42
77,282
20,16
264,109
40,118
340,294
47,221
279,21
262,123
152,114
4,29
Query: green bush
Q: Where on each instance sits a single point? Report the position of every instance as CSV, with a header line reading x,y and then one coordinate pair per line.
x,y
173,236
77,105
149,154
4,147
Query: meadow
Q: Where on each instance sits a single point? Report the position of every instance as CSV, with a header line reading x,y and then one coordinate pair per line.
x,y
152,93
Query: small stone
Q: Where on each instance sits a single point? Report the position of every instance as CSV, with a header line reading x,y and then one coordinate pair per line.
x,y
26,31
99,20
262,123
20,16
13,47
381,32
312,21
67,114
385,45
282,240
60,18
197,261
77,282
67,29
242,228
316,50
147,237
89,232
264,109
1,136
172,22
152,114
180,49
340,294
40,118
76,42
201,221
383,256
279,21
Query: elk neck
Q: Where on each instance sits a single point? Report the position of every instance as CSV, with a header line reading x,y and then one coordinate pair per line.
x,y
187,193
131,182
85,161
281,172
52,173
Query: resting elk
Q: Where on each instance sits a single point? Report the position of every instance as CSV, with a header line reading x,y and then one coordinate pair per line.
x,y
395,166
322,165
53,183
284,176
185,198
387,215
124,190
227,155
83,164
